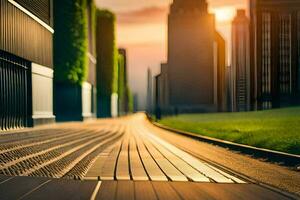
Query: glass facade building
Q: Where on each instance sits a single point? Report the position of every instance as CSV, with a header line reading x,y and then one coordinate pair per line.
x,y
275,50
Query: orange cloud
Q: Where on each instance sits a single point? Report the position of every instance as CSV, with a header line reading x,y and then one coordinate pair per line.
x,y
145,15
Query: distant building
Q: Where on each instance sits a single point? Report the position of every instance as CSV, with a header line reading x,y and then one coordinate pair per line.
x,y
164,101
135,102
161,90
275,52
149,91
228,89
240,83
193,62
26,63
220,72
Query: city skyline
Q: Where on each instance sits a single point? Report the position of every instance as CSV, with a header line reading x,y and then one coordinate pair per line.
x,y
142,30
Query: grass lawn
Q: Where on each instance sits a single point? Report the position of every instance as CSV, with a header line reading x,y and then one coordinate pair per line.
x,y
277,129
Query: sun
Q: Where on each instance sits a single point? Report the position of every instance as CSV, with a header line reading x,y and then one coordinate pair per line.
x,y
224,14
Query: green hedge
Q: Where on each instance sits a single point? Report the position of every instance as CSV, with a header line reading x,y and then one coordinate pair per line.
x,y
93,24
121,84
70,41
107,63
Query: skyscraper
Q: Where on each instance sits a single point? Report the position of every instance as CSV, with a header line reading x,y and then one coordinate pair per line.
x,y
149,90
191,67
275,52
240,70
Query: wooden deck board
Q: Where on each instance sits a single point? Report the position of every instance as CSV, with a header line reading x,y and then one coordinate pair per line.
x,y
190,191
122,171
144,191
164,190
153,170
195,163
108,191
108,169
96,170
4,178
181,165
137,169
25,185
64,190
125,190
165,165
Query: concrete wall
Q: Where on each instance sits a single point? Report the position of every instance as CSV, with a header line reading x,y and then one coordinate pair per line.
x,y
87,93
42,94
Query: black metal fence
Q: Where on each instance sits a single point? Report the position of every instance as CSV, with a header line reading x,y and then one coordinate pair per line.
x,y
15,81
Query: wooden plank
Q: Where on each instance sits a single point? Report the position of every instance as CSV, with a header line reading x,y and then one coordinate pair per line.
x,y
64,190
194,162
238,191
125,190
235,179
96,170
112,138
3,179
184,167
144,191
108,169
187,190
164,190
151,167
137,169
19,186
262,193
170,171
122,171
258,192
107,191
221,191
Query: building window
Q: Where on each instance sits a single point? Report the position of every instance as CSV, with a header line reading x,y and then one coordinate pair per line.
x,y
266,60
285,54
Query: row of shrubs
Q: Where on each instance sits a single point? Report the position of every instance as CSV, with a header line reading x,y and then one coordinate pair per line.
x,y
71,47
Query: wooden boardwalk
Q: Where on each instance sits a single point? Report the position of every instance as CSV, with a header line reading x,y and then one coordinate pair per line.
x,y
142,156
48,189
114,159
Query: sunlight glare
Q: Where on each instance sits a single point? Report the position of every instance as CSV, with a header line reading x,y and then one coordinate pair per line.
x,y
224,14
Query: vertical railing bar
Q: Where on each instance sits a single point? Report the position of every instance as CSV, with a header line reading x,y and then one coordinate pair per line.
x,y
1,93
9,96
23,73
5,94
18,97
13,92
29,95
15,83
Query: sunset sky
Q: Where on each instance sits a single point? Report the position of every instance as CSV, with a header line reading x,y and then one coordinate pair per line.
x,y
142,30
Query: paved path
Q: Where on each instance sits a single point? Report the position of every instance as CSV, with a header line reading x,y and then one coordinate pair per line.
x,y
117,159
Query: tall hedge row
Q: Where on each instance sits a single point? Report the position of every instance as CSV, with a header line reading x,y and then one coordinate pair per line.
x,y
130,101
122,84
107,61
70,41
71,47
